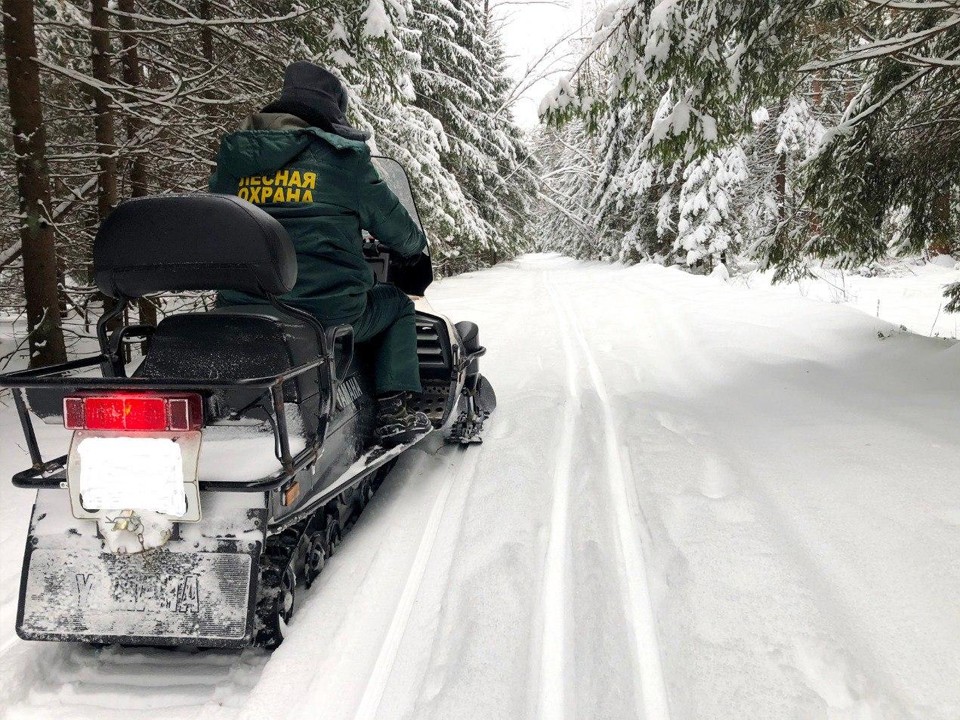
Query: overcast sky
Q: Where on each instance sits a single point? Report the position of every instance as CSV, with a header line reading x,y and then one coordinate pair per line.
x,y
529,30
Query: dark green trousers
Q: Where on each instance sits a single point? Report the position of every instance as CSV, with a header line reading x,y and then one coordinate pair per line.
x,y
388,323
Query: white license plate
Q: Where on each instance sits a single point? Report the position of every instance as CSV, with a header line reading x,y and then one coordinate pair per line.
x,y
110,472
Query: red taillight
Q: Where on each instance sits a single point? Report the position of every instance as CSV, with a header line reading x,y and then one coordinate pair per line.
x,y
133,413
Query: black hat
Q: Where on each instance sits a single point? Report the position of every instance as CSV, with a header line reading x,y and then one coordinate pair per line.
x,y
316,96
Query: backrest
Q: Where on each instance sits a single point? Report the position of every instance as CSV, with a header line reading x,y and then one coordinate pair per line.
x,y
172,243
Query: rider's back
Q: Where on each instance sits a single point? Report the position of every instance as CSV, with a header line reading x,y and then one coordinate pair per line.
x,y
323,189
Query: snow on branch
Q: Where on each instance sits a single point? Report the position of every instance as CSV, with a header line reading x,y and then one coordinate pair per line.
x,y
193,21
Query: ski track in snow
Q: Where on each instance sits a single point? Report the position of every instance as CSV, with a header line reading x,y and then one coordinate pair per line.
x,y
694,502
387,657
633,576
552,700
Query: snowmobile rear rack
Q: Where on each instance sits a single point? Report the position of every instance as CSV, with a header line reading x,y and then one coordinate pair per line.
x,y
56,375
52,473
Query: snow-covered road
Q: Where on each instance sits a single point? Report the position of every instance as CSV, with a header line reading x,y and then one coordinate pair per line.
x,y
695,501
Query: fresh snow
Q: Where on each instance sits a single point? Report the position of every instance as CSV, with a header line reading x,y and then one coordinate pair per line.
x,y
697,499
903,293
377,22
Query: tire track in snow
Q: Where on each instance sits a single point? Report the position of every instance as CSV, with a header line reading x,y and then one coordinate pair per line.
x,y
633,575
387,657
551,701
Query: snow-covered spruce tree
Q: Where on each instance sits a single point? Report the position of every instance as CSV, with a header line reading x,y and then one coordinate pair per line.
x,y
896,150
695,68
376,47
372,47
640,209
706,226
632,195
709,65
601,194
775,222
678,83
511,183
462,83
564,214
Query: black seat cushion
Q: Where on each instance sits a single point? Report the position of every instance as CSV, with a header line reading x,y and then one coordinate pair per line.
x,y
233,343
243,341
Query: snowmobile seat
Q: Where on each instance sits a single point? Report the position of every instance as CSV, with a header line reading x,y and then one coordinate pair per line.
x,y
173,243
200,242
241,341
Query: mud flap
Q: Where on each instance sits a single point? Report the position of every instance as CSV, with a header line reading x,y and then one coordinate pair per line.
x,y
197,590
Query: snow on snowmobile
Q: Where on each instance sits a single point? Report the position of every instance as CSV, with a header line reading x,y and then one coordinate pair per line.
x,y
208,482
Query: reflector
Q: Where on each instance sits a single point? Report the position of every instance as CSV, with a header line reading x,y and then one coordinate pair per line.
x,y
74,416
185,413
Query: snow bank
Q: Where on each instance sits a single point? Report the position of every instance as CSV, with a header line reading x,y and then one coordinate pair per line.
x,y
903,293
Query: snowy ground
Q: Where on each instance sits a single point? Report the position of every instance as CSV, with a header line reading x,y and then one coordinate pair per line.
x,y
696,500
904,292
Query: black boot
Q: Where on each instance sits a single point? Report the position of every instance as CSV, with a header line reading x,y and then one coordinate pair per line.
x,y
396,423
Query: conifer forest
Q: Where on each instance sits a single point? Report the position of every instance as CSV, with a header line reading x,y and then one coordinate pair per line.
x,y
687,132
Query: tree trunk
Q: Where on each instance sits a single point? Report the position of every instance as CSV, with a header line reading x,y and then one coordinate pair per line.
x,y
942,241
138,168
29,142
817,91
814,226
780,182
782,237
206,33
130,63
209,56
103,119
104,124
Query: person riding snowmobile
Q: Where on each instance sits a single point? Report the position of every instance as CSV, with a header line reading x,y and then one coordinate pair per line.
x,y
300,160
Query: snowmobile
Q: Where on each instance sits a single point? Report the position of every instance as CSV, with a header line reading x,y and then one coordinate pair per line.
x,y
207,481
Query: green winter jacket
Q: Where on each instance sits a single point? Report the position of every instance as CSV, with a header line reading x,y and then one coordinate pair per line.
x,y
323,189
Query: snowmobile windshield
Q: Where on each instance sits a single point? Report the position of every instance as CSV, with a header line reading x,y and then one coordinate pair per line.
x,y
396,179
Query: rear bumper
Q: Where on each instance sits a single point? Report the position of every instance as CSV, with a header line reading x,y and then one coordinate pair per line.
x,y
197,590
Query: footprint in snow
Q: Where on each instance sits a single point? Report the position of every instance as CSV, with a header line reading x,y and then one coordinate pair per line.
x,y
719,480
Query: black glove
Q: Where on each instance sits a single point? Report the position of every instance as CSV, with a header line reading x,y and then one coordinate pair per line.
x,y
400,261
